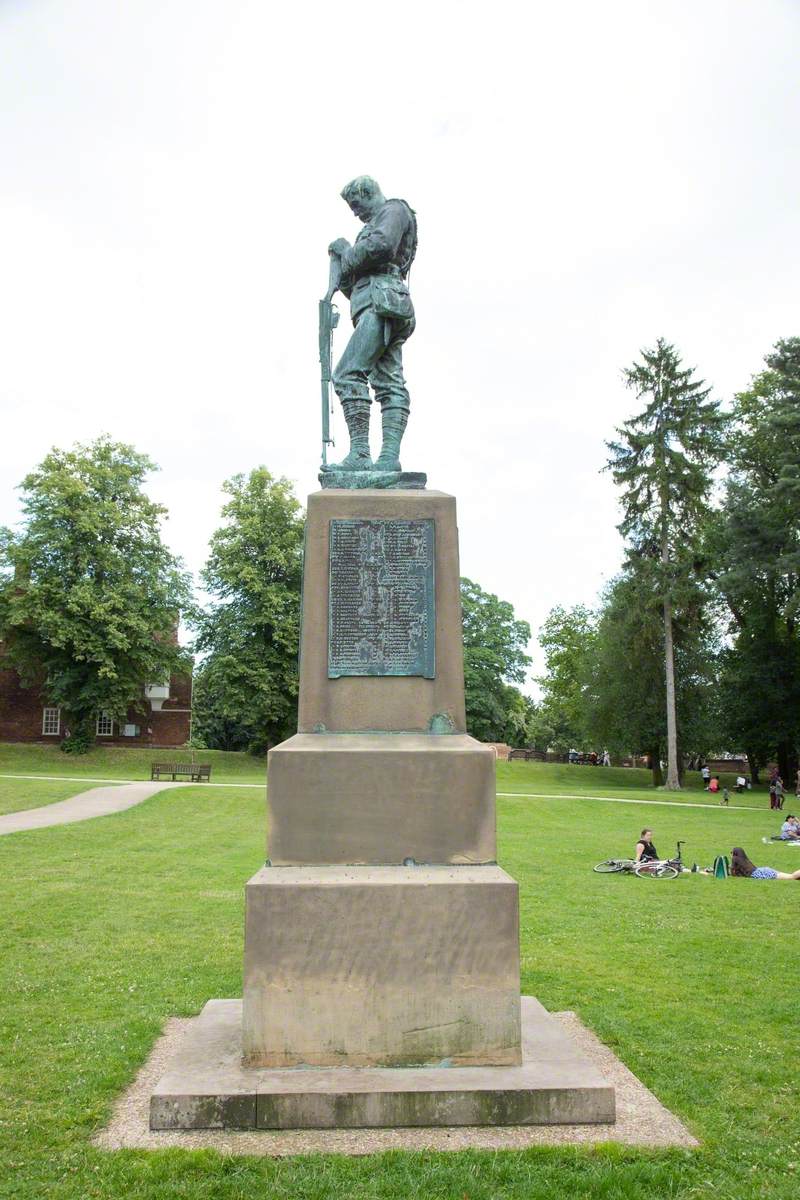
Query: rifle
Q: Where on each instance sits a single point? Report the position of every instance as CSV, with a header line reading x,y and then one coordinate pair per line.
x,y
328,320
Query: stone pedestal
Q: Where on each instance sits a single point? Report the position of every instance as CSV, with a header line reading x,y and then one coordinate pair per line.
x,y
381,964
381,975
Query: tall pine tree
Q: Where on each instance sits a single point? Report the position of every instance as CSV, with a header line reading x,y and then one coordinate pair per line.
x,y
663,460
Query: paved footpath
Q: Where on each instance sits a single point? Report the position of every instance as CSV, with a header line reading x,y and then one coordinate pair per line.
x,y
632,800
102,800
96,803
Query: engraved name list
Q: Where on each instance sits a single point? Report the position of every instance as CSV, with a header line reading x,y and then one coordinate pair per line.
x,y
381,610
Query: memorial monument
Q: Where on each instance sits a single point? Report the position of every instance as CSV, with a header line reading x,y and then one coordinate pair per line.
x,y
381,961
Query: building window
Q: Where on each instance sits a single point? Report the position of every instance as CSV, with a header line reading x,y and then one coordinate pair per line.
x,y
51,722
105,725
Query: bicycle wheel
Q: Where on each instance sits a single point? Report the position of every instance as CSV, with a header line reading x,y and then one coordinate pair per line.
x,y
609,867
656,870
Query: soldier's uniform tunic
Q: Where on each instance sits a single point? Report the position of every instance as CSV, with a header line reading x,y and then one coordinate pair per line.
x,y
374,272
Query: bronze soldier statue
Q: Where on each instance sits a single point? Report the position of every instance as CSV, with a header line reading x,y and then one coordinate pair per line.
x,y
373,277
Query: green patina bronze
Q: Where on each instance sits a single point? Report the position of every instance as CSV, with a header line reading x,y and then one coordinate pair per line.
x,y
381,604
373,274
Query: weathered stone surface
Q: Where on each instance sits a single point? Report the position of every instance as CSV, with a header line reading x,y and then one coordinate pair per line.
x,y
204,1086
364,703
378,798
207,1087
391,965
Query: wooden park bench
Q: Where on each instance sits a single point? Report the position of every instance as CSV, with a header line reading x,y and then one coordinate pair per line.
x,y
194,771
527,755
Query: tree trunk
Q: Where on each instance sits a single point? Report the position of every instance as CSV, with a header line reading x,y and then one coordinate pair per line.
x,y
673,778
754,763
786,762
655,766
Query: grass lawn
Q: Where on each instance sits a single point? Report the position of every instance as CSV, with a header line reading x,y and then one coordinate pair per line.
x,y
112,925
565,779
19,794
123,762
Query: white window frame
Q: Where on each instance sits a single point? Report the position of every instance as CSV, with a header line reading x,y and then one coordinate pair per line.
x,y
104,719
51,732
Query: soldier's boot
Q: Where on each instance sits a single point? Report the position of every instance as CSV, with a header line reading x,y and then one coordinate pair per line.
x,y
356,414
394,422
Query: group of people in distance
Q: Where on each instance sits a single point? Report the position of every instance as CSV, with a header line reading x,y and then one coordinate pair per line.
x,y
593,758
777,790
711,782
740,864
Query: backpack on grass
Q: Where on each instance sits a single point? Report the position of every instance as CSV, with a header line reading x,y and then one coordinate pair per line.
x,y
722,867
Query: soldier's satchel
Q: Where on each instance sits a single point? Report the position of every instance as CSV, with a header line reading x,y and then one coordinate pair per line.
x,y
390,298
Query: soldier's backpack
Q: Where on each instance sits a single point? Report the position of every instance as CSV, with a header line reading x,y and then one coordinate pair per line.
x,y
722,867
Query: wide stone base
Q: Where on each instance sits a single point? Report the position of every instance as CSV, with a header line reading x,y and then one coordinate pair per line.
x,y
206,1087
331,478
388,966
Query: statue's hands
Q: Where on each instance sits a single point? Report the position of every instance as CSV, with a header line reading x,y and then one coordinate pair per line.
x,y
340,247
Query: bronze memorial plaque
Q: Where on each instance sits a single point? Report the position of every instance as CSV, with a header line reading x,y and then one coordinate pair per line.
x,y
381,607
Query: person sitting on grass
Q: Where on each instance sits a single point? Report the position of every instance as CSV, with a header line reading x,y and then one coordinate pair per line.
x,y
713,785
790,832
790,829
645,850
741,865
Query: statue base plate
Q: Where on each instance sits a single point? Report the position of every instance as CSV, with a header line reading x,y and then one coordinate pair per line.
x,y
330,477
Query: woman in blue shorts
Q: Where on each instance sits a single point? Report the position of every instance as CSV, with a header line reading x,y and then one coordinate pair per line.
x,y
741,865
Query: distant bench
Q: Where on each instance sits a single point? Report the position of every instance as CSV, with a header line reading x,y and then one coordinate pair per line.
x,y
527,755
193,771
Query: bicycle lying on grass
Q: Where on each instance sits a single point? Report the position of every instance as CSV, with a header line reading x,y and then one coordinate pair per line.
x,y
661,868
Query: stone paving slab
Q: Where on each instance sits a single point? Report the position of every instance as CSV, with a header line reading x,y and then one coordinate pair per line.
x,y
641,1119
98,802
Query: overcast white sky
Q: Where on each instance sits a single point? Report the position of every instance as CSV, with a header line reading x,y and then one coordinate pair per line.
x,y
587,176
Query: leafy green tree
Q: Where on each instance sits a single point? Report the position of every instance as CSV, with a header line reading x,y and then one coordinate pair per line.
x,y
625,701
753,546
246,685
567,639
663,460
90,596
758,679
494,659
520,718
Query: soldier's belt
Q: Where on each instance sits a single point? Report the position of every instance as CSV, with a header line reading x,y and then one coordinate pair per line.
x,y
389,269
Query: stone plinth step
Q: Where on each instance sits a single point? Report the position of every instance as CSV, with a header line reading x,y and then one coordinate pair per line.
x,y
389,966
206,1087
381,798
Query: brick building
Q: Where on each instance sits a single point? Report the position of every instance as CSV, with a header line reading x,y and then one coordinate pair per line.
x,y
164,717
